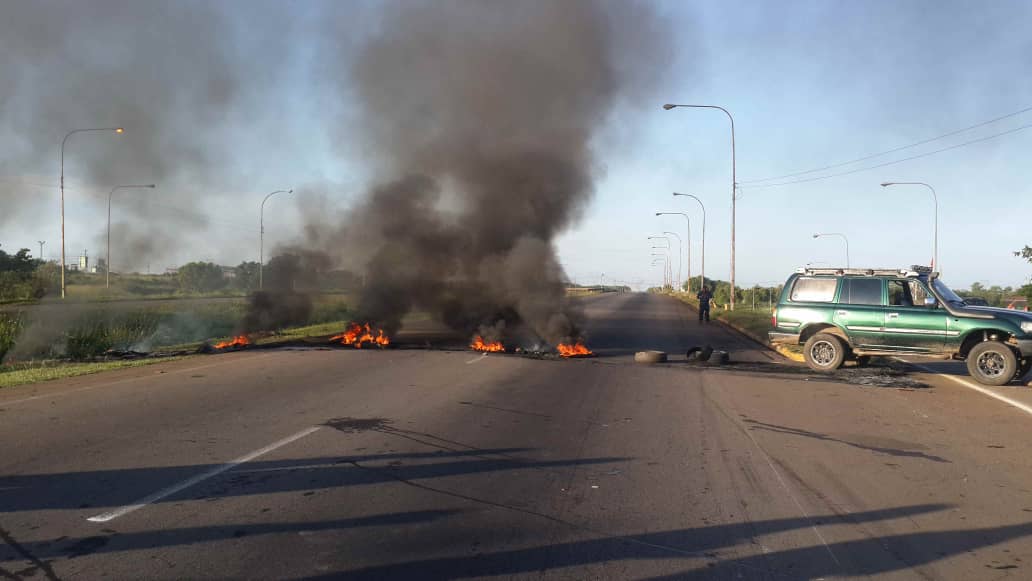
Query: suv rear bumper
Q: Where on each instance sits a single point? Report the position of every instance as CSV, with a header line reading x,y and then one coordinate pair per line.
x,y
1025,347
779,338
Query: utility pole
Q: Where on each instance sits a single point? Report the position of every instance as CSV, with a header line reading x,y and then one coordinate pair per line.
x,y
261,235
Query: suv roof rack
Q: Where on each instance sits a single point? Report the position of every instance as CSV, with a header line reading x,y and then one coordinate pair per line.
x,y
913,271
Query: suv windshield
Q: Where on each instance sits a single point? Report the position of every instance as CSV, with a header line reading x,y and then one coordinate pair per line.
x,y
946,293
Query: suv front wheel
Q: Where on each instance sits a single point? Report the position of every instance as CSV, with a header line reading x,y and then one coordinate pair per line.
x,y
992,363
824,352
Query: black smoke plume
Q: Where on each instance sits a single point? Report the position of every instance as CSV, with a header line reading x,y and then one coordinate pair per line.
x,y
480,118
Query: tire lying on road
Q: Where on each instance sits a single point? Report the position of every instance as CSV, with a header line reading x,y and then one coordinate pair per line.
x,y
1024,366
992,363
650,357
824,352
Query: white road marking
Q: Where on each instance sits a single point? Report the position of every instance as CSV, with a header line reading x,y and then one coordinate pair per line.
x,y
116,382
788,492
107,516
1021,406
481,358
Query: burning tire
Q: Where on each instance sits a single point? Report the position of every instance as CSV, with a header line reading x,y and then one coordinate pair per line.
x,y
650,357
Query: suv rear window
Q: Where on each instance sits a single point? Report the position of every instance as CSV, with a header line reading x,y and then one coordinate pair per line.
x,y
814,290
861,291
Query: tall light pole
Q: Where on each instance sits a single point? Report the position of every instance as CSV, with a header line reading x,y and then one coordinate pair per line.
x,y
843,236
734,184
666,255
63,141
261,235
666,265
935,235
667,247
702,277
107,268
689,242
41,243
680,257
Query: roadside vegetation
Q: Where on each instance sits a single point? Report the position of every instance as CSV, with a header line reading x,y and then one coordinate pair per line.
x,y
35,372
34,347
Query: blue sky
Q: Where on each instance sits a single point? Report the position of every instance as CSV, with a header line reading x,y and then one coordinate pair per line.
x,y
809,84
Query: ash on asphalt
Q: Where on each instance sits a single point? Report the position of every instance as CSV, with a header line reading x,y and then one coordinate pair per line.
x,y
885,375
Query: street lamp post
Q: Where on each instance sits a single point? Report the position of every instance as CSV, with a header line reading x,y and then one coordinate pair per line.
x,y
935,235
107,268
680,257
689,243
666,265
261,235
63,141
843,236
667,247
702,276
734,184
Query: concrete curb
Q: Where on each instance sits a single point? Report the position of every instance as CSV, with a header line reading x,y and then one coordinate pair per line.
x,y
761,341
780,349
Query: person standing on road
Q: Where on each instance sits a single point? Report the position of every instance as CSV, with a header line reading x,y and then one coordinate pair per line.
x,y
705,298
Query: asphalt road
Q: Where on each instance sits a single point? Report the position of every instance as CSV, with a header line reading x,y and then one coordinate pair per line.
x,y
417,464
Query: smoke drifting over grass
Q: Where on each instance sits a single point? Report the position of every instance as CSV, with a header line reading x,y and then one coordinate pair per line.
x,y
179,76
480,116
476,119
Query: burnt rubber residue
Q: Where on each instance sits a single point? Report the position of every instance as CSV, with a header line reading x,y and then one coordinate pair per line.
x,y
355,425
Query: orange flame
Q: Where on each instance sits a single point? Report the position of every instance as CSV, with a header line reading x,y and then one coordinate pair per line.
x,y
576,350
238,341
358,335
478,344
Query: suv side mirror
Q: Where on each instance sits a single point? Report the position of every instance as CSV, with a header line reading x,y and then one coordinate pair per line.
x,y
930,301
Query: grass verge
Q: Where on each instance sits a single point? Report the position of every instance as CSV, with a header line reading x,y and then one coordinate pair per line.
x,y
36,372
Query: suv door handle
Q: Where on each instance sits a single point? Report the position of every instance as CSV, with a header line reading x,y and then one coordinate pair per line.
x,y
842,313
892,315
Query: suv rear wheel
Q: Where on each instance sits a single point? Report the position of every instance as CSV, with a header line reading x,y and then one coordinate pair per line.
x,y
992,363
824,352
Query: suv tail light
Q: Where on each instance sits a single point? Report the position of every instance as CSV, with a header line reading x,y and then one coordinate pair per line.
x,y
774,318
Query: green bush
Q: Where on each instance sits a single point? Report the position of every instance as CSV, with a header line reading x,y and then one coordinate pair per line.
x,y
201,277
9,329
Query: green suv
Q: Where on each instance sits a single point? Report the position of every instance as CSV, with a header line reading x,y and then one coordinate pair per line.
x,y
842,313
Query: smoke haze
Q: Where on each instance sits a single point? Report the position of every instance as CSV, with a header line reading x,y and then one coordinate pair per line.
x,y
179,78
479,116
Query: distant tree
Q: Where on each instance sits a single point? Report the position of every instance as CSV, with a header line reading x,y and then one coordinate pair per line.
x,y
246,276
201,277
1025,253
20,262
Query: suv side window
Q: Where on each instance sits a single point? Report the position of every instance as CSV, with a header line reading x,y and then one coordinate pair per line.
x,y
861,291
918,292
899,294
814,290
